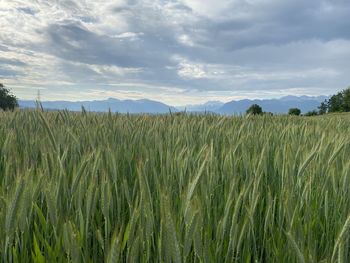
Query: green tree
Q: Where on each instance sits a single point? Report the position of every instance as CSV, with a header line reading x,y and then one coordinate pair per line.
x,y
255,109
335,103
323,108
339,102
346,100
294,111
8,101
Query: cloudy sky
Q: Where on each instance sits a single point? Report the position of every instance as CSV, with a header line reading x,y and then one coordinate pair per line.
x,y
175,51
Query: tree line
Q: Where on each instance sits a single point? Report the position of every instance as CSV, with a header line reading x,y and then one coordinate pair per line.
x,y
256,109
339,102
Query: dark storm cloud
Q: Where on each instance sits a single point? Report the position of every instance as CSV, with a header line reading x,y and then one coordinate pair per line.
x,y
279,24
72,41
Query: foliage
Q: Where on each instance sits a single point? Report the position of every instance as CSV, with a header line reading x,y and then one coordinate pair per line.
x,y
294,111
335,103
7,100
339,102
346,100
323,108
84,187
311,113
255,109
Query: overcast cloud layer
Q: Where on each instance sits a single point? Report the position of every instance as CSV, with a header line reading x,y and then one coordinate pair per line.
x,y
178,52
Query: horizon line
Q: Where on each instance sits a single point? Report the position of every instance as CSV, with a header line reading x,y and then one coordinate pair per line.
x,y
168,104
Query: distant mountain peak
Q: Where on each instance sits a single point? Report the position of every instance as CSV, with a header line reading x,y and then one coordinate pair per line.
x,y
113,99
211,102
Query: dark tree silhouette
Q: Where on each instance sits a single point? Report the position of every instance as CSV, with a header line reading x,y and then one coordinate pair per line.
x,y
335,103
323,108
346,100
255,109
294,111
8,101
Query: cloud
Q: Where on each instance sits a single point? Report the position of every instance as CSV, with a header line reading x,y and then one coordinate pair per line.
x,y
196,49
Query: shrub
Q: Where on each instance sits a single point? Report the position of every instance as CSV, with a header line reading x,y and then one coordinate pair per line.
x,y
255,109
294,111
311,113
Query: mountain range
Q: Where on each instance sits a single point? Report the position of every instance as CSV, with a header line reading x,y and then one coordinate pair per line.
x,y
115,105
281,105
212,106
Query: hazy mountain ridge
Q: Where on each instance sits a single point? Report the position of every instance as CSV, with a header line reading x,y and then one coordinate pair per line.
x,y
208,106
115,105
281,105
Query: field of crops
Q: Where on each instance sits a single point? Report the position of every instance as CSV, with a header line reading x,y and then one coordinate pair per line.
x,y
85,187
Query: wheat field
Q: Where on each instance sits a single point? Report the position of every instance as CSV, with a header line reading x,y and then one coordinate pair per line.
x,y
88,187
